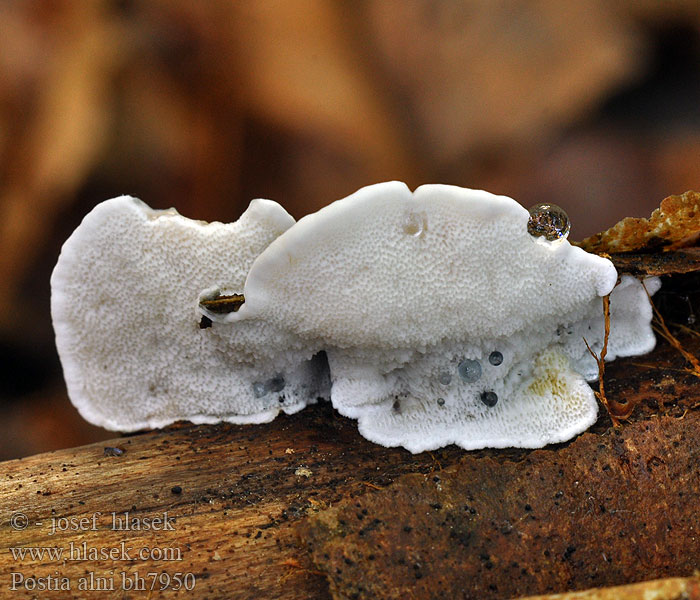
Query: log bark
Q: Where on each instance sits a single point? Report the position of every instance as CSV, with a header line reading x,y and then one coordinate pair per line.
x,y
231,496
673,588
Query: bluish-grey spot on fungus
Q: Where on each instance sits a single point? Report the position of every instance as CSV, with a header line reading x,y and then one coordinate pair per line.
x,y
260,389
276,384
444,377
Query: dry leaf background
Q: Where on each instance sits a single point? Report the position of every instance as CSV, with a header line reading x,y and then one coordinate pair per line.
x,y
202,106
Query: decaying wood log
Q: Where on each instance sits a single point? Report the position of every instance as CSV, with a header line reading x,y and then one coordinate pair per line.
x,y
304,507
610,507
231,494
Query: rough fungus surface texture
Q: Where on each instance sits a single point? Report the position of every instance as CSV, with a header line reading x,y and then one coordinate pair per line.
x,y
437,316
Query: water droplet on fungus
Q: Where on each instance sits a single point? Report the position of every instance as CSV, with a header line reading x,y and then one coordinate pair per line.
x,y
276,384
416,224
549,221
469,370
495,358
489,398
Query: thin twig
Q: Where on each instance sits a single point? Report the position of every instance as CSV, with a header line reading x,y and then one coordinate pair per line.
x,y
664,332
688,330
371,485
600,360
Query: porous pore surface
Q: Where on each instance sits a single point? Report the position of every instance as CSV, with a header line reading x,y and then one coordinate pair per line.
x,y
388,268
411,294
545,402
536,378
442,319
124,306
631,333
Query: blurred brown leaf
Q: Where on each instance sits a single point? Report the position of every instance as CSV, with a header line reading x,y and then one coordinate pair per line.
x,y
479,73
64,137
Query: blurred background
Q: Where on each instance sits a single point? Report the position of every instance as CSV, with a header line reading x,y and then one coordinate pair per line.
x,y
593,105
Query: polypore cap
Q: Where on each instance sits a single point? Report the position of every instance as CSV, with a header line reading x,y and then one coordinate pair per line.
x,y
124,307
390,267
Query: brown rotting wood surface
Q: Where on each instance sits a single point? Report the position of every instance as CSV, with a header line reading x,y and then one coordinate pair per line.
x,y
233,491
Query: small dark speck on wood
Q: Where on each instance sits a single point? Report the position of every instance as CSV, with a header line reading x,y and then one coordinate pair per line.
x,y
114,451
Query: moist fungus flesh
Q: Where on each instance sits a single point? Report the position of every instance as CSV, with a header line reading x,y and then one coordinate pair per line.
x,y
124,302
438,316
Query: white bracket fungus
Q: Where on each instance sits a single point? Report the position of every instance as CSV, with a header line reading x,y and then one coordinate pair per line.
x,y
124,305
447,315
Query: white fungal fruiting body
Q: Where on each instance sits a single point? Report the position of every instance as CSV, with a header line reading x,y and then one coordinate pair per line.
x,y
443,320
551,404
630,332
391,268
124,306
401,288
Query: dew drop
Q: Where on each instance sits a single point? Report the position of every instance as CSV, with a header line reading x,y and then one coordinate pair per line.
x,y
259,389
276,384
489,398
415,224
444,378
441,401
495,358
469,370
549,221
